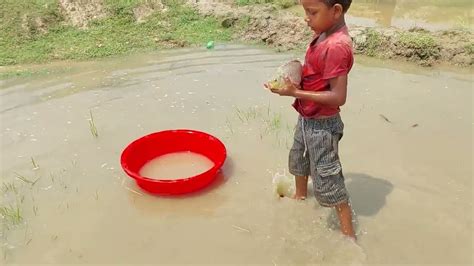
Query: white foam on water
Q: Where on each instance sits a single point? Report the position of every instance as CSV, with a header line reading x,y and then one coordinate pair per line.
x,y
283,184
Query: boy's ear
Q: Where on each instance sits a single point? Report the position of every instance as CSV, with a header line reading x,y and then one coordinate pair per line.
x,y
338,10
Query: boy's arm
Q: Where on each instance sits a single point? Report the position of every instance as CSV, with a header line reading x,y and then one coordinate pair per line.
x,y
336,96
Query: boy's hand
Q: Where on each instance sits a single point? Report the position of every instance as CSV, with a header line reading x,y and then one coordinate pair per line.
x,y
288,90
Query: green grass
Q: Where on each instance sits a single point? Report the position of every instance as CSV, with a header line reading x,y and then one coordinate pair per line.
x,y
11,215
423,44
26,180
462,22
22,73
247,114
19,17
118,7
92,126
116,35
374,40
469,48
274,122
279,3
268,122
418,45
34,163
9,187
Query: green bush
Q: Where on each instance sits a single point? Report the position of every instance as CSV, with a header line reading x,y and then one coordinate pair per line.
x,y
424,45
374,41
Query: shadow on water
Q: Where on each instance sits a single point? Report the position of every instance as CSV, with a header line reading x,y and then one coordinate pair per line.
x,y
368,196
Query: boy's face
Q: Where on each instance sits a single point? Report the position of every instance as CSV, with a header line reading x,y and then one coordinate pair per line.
x,y
319,16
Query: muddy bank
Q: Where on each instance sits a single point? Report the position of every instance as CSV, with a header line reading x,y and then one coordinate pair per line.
x,y
80,13
71,31
281,29
45,32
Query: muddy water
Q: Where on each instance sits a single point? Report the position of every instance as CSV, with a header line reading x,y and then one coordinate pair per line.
x,y
432,15
176,165
407,156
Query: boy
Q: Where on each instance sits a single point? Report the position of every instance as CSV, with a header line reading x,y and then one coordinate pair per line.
x,y
322,91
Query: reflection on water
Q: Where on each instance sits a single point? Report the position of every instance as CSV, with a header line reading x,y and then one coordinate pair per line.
x,y
382,10
429,14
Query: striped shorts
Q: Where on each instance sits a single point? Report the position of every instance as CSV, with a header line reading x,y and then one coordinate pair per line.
x,y
315,153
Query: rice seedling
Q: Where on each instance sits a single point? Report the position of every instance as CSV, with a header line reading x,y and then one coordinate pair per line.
x,y
268,109
246,115
241,229
275,122
11,214
92,126
239,114
9,187
229,126
26,180
53,178
35,165
252,113
272,124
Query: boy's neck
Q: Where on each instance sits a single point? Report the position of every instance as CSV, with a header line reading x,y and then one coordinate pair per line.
x,y
338,25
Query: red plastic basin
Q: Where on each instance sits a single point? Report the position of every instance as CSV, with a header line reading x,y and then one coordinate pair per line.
x,y
147,148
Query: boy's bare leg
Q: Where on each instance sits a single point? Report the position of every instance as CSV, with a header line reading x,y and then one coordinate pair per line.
x,y
301,187
344,212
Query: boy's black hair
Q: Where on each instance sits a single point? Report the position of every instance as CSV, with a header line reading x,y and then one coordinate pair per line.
x,y
344,3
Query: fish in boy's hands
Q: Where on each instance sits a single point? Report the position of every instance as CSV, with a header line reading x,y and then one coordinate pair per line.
x,y
291,70
276,84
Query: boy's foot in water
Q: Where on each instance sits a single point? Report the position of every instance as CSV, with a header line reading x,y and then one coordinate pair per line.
x,y
301,187
299,197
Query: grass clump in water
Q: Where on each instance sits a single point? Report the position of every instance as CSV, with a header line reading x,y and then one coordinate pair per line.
x,y
22,74
9,187
92,126
26,180
247,114
35,164
11,215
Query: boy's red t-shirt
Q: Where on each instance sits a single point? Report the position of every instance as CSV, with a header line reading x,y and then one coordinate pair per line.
x,y
328,59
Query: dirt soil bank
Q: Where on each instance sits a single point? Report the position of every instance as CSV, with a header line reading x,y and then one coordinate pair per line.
x,y
286,31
